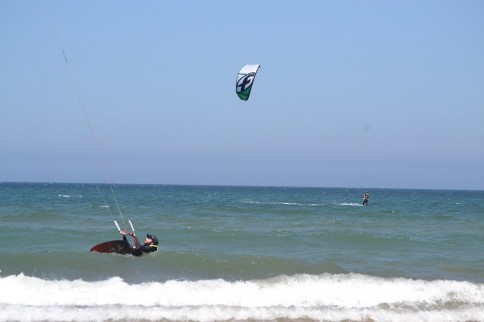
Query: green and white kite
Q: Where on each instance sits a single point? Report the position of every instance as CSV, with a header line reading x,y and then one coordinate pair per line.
x,y
245,80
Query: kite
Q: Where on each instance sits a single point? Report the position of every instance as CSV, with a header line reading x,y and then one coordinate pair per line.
x,y
245,80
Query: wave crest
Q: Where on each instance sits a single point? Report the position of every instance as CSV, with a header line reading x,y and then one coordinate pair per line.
x,y
315,297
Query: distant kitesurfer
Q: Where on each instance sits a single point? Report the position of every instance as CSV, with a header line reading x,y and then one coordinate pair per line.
x,y
150,244
366,198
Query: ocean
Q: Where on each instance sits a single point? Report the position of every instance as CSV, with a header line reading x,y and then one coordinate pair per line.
x,y
231,253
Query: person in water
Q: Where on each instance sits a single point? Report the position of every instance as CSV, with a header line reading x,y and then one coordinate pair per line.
x,y
149,245
366,198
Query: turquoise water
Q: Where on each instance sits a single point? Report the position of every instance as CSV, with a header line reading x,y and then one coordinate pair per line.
x,y
242,253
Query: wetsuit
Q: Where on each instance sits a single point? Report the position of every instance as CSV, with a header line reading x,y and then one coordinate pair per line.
x,y
138,249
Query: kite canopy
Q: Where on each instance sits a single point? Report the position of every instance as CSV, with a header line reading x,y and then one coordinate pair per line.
x,y
245,80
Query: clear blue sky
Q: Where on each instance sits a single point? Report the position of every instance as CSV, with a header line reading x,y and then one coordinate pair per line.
x,y
350,93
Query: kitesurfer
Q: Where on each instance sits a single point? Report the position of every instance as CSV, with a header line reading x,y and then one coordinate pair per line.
x,y
150,243
366,198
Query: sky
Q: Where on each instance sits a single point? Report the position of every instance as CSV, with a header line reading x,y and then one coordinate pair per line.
x,y
370,94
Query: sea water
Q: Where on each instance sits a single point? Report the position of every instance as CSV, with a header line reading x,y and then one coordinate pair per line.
x,y
241,253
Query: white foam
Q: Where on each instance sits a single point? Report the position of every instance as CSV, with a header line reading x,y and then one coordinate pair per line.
x,y
284,203
353,204
322,297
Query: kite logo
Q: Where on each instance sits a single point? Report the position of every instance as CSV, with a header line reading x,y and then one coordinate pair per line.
x,y
245,82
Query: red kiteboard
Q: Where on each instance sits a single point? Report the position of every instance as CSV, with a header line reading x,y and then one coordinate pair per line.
x,y
113,246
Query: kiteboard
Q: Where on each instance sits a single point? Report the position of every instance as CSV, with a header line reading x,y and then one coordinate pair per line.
x,y
113,246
